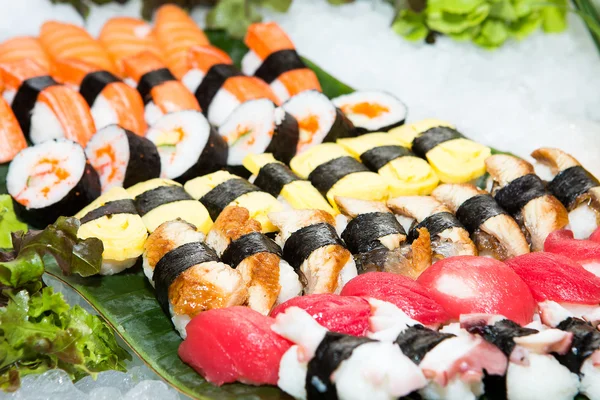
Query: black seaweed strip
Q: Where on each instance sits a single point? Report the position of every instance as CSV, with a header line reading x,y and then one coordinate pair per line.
x,y
501,334
249,245
272,177
341,128
284,143
224,193
435,224
213,81
151,199
423,143
571,183
124,206
277,63
328,174
378,157
416,341
94,83
363,232
478,209
304,241
150,80
514,196
213,158
26,97
586,340
144,160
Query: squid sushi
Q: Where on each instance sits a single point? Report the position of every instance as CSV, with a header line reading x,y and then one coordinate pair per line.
x,y
448,236
11,136
160,200
114,220
334,172
45,109
238,240
188,146
453,157
523,194
405,173
160,91
372,111
377,239
221,189
187,274
49,180
24,47
313,248
576,188
273,58
494,231
281,182
318,119
256,127
324,364
122,158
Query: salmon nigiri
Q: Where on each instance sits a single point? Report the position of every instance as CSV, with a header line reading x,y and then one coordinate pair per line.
x,y
176,33
159,89
24,47
219,86
44,108
124,37
273,58
11,137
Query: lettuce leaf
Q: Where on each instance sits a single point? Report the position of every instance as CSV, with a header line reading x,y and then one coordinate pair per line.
x,y
8,222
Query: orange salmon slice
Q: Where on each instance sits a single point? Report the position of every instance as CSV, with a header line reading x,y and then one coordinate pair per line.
x,y
13,73
11,137
128,105
22,48
67,41
266,38
246,88
299,80
176,32
204,57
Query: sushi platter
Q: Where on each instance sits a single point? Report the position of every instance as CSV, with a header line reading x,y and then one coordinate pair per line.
x,y
253,228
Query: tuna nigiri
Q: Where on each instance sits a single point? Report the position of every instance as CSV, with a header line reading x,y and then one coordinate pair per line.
x,y
584,252
11,136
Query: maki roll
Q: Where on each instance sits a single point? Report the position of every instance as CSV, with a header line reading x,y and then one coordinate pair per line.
x,y
523,194
11,135
160,200
377,239
449,237
221,189
575,187
219,86
49,180
273,58
318,119
188,146
44,108
493,230
281,182
453,157
256,127
405,173
113,219
328,365
334,172
313,248
238,240
122,158
187,274
372,110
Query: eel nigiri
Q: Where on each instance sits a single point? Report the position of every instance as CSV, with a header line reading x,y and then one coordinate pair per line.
x,y
448,236
576,188
238,240
187,274
523,194
24,47
377,240
313,248
11,135
492,229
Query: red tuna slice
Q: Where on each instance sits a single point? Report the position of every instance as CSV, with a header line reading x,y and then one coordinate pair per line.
x,y
557,278
469,284
343,314
233,344
595,237
585,252
401,291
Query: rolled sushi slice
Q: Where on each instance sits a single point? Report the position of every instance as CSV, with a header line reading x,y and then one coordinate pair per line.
x,y
448,236
334,172
377,240
313,248
256,127
11,134
188,276
324,364
273,58
523,194
160,200
575,187
44,108
221,189
372,110
405,173
238,240
493,230
318,119
122,158
50,180
188,146
533,371
281,182
114,220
